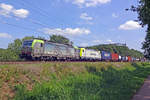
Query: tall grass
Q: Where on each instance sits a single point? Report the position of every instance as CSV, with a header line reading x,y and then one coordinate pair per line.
x,y
96,83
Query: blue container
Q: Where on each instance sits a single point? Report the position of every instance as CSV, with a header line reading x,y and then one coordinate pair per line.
x,y
123,58
106,56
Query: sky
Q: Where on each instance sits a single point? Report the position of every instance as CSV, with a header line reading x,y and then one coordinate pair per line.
x,y
85,22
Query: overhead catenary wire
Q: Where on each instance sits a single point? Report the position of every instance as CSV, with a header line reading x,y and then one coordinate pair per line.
x,y
36,9
22,2
18,26
31,29
40,12
33,21
24,28
43,12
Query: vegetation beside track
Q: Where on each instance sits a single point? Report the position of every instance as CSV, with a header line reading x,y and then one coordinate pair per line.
x,y
72,81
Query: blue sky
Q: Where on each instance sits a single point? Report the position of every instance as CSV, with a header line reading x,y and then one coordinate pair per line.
x,y
85,22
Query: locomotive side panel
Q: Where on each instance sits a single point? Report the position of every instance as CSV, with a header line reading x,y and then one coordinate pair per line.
x,y
89,54
60,51
49,49
38,49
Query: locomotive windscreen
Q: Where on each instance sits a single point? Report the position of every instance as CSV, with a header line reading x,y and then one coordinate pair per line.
x,y
27,43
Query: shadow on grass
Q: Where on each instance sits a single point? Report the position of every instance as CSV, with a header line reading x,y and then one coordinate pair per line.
x,y
97,84
120,84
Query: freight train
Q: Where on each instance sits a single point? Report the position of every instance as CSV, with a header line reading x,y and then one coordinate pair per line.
x,y
38,49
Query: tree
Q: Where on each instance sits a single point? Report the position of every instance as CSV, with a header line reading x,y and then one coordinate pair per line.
x,y
143,10
15,47
28,38
59,39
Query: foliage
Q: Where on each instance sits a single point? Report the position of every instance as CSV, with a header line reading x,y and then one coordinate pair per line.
x,y
8,55
15,47
29,38
143,10
59,39
96,83
13,51
122,50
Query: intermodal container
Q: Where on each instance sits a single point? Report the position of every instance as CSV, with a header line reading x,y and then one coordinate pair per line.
x,y
123,58
105,56
114,57
133,59
129,59
119,58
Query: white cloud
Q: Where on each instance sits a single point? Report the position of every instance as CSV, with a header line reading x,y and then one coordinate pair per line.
x,y
89,3
5,9
130,25
114,15
8,10
79,1
5,35
84,44
85,16
96,41
67,31
22,13
109,41
96,2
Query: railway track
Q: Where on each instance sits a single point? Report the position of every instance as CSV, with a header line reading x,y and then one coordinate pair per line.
x,y
36,62
19,62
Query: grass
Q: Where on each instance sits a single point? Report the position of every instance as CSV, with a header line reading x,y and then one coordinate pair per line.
x,y
72,81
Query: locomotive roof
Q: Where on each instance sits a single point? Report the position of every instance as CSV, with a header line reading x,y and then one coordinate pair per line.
x,y
53,42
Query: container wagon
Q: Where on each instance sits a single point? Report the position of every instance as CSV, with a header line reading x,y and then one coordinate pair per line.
x,y
129,59
114,57
105,56
133,59
119,58
123,58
